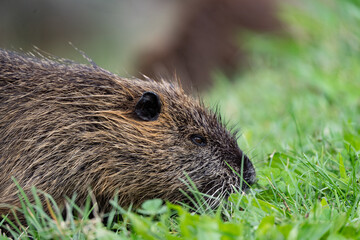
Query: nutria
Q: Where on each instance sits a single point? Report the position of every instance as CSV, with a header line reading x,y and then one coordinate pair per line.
x,y
67,127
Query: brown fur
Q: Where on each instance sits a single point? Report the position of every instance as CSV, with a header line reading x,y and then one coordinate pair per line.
x,y
67,127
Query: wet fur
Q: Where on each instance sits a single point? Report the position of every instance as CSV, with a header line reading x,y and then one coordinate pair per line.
x,y
65,128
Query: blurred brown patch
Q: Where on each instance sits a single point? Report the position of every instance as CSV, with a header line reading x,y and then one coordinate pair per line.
x,y
206,40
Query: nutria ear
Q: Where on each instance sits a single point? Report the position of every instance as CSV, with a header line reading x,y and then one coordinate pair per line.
x,y
148,107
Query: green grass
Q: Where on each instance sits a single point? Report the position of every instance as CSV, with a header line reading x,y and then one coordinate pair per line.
x,y
298,104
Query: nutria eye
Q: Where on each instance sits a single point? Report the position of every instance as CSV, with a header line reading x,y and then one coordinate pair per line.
x,y
198,140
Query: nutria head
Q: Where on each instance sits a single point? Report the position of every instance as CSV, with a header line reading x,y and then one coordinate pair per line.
x,y
65,128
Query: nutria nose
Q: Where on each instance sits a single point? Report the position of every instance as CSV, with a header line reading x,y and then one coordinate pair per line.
x,y
248,170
